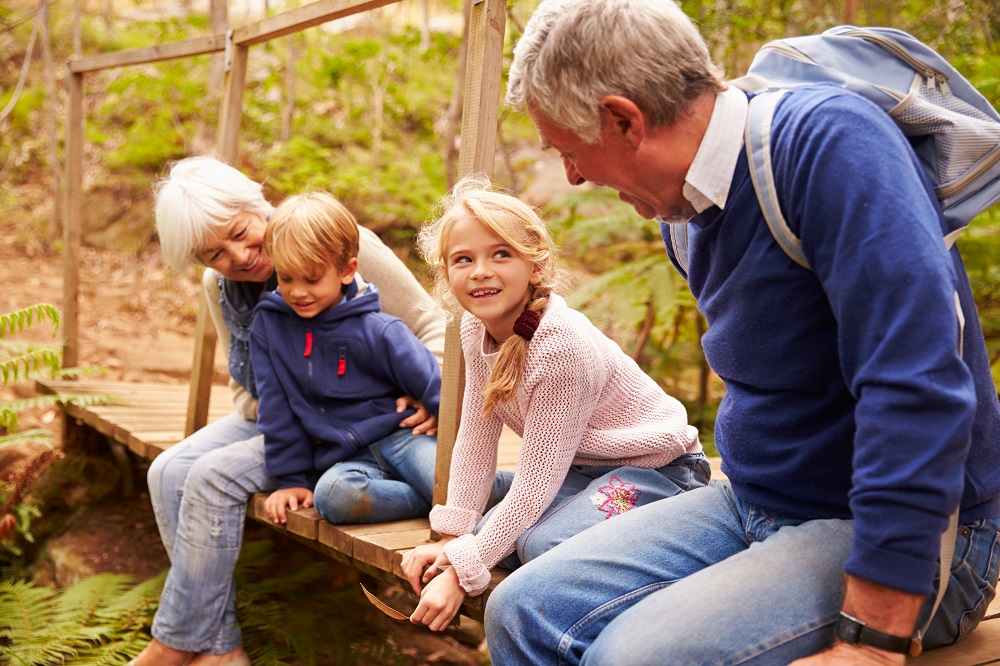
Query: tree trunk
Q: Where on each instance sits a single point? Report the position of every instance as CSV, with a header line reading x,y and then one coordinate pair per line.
x,y
425,30
204,140
77,19
455,107
288,115
51,127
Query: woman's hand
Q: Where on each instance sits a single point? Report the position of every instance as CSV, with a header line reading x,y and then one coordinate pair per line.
x,y
423,422
440,601
415,563
287,498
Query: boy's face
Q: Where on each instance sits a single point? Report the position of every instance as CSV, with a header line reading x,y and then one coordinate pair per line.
x,y
310,295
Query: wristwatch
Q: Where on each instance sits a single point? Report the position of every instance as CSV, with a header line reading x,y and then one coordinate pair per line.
x,y
853,631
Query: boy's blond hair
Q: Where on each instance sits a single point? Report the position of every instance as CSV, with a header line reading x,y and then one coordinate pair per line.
x,y
308,232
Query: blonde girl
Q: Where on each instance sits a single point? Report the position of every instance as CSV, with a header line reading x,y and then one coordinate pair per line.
x,y
599,437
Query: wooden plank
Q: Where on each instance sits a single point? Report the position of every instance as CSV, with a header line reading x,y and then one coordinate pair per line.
x,y
202,368
379,550
72,221
158,53
303,17
304,523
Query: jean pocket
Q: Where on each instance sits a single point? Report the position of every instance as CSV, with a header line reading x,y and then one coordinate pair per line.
x,y
971,585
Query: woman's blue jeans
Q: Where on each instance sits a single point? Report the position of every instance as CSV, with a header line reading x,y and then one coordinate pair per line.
x,y
702,578
200,487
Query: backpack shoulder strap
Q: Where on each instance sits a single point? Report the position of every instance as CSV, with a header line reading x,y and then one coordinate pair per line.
x,y
758,145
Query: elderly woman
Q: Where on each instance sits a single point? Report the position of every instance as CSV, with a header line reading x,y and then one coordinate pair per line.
x,y
212,214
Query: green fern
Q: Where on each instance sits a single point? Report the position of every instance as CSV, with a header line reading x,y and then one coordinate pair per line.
x,y
20,320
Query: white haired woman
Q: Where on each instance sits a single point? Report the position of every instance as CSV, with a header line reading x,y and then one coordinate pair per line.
x,y
207,212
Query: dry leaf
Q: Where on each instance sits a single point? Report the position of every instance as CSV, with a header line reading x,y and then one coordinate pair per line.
x,y
388,610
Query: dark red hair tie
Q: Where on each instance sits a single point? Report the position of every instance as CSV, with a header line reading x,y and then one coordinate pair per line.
x,y
527,323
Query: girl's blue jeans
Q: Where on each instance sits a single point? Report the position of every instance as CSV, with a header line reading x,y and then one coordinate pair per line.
x,y
199,489
702,578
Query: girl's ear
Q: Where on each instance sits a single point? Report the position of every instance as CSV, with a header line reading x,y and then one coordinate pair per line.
x,y
536,272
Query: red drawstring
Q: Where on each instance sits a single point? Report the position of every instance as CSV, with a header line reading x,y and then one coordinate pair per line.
x,y
309,344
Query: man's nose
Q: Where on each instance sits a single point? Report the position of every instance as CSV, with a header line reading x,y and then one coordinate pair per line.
x,y
572,175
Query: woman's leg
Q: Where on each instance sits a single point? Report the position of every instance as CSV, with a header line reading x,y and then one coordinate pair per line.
x,y
169,470
197,610
591,495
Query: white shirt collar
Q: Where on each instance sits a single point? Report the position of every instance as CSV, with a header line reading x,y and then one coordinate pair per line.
x,y
711,173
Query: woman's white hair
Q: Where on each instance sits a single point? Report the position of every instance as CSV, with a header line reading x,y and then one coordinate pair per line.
x,y
199,195
576,52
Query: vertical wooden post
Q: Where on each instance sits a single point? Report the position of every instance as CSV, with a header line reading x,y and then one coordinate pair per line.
x,y
852,9
479,133
71,221
227,142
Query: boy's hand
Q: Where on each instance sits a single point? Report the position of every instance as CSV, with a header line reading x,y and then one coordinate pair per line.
x,y
440,601
415,562
423,422
287,498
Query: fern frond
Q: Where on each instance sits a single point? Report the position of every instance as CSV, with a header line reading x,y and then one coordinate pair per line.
x,y
29,364
72,373
13,323
34,435
26,627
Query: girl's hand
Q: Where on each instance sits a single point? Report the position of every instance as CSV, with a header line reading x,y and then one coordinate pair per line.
x,y
423,422
415,563
439,602
287,498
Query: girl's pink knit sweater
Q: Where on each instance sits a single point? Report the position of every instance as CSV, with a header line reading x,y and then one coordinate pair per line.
x,y
582,401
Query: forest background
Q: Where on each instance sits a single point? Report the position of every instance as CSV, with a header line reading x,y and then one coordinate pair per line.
x,y
368,109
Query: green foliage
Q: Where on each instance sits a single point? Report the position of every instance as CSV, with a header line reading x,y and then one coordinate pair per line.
x,y
283,607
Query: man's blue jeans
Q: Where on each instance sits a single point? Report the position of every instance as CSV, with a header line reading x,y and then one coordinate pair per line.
x,y
702,578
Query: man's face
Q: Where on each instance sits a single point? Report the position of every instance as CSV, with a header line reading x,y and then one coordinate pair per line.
x,y
644,177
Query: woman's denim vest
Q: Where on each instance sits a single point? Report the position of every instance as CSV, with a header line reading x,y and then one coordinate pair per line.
x,y
238,300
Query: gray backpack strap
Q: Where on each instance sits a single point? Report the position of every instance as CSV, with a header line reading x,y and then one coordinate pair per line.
x,y
758,144
679,244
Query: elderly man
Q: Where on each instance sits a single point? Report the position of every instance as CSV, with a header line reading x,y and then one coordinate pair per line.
x,y
852,425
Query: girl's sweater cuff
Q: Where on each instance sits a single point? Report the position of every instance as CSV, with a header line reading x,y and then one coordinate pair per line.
x,y
453,520
463,554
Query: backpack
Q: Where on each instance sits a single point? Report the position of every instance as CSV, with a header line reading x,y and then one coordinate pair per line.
x,y
953,129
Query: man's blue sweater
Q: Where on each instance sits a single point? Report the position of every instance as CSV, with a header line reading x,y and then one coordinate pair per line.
x,y
328,385
846,394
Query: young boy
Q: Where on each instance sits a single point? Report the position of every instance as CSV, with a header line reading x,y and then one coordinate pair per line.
x,y
335,377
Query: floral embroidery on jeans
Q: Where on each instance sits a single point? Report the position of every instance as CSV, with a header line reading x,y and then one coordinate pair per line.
x,y
616,497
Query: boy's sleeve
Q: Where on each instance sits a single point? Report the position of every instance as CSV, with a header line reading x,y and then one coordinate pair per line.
x,y
413,367
287,446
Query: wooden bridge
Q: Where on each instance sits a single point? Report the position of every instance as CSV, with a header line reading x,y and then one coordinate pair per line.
x,y
150,418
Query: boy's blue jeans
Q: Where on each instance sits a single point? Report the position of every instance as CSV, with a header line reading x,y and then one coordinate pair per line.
x,y
702,578
199,489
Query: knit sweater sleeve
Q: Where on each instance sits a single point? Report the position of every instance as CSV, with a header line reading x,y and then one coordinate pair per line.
x,y
245,404
560,390
400,293
474,459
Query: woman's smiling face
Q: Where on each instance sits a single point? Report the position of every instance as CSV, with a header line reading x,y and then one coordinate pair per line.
x,y
236,249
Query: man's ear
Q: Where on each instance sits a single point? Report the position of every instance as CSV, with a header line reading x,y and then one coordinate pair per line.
x,y
623,118
350,268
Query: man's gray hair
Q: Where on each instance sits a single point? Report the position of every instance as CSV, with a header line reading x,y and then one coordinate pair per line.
x,y
576,52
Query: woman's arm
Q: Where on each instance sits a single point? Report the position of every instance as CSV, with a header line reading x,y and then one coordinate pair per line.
x,y
400,293
245,403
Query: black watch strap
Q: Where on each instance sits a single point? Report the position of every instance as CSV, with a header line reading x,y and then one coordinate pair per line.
x,y
855,632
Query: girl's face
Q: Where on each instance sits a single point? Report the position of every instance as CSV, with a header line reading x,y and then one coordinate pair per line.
x,y
236,249
488,277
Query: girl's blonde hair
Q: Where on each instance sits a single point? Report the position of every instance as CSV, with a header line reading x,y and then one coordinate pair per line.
x,y
520,226
308,232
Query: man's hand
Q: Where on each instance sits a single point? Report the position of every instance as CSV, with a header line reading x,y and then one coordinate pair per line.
x,y
415,563
287,498
440,601
423,422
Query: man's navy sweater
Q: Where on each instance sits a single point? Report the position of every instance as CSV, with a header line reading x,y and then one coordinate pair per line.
x,y
846,394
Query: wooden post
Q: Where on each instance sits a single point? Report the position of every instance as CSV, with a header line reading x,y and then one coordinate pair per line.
x,y
71,221
479,124
852,9
227,143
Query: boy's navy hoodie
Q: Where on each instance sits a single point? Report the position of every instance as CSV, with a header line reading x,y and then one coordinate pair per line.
x,y
328,385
